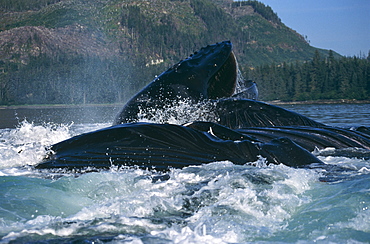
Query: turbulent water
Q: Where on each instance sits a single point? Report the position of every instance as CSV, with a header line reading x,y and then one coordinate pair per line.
x,y
214,203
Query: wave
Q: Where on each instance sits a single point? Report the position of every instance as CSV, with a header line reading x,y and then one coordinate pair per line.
x,y
213,203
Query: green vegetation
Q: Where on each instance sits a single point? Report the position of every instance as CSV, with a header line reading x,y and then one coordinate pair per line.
x,y
22,5
81,80
260,8
321,78
104,51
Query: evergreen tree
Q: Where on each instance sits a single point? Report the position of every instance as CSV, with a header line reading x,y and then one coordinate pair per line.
x,y
344,78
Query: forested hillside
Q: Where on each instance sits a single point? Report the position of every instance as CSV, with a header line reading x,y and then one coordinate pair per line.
x,y
319,79
104,51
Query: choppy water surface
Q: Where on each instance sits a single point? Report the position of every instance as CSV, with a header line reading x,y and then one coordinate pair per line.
x,y
215,203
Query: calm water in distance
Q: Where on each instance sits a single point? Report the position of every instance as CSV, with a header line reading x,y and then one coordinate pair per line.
x,y
342,115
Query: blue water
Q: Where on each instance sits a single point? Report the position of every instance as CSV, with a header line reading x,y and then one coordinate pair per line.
x,y
214,203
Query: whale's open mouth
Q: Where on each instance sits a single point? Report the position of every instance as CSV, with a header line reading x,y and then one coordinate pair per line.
x,y
223,82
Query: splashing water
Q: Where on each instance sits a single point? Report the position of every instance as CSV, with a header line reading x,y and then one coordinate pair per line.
x,y
179,112
26,144
214,203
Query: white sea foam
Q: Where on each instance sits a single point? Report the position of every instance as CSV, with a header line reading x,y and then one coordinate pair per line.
x,y
26,144
214,203
179,112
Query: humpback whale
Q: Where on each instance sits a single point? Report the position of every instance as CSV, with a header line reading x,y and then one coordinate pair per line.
x,y
231,125
210,73
164,146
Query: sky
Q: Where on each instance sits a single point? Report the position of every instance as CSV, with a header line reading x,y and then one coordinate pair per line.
x,y
340,25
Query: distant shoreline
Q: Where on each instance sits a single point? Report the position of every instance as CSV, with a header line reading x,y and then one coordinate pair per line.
x,y
274,102
336,101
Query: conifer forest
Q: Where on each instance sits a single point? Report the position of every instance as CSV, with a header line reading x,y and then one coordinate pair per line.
x,y
105,51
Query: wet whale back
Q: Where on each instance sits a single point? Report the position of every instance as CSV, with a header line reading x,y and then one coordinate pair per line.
x,y
165,146
239,113
233,128
146,145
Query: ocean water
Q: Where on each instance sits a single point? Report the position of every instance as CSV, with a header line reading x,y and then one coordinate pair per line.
x,y
213,203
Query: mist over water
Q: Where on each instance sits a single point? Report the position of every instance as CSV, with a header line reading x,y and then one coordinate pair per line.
x,y
214,203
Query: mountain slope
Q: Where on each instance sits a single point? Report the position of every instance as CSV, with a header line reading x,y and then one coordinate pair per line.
x,y
165,28
95,37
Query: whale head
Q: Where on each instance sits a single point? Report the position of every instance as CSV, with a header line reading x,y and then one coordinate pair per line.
x,y
210,73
